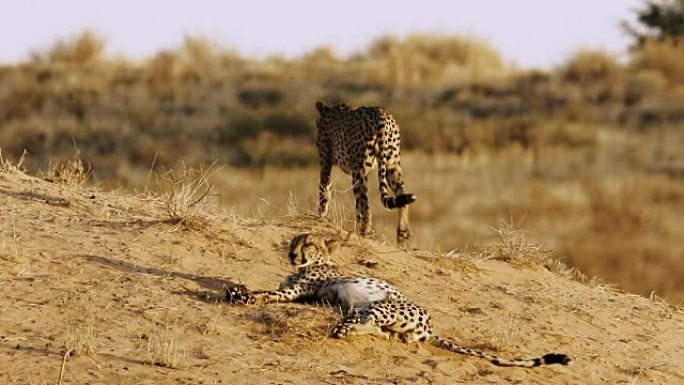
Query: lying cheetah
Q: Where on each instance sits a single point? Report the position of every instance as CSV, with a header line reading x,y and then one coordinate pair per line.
x,y
355,139
411,323
371,306
317,278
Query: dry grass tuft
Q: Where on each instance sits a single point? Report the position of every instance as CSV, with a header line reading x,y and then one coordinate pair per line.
x,y
80,340
185,196
293,325
163,347
9,241
460,261
70,173
665,308
503,339
557,267
6,165
514,247
590,66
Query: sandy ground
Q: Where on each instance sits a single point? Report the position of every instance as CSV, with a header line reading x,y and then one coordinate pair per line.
x,y
134,298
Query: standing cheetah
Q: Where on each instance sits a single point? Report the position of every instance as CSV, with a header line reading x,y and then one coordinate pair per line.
x,y
355,139
371,306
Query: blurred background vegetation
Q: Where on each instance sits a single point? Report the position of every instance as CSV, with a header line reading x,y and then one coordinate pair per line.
x,y
589,156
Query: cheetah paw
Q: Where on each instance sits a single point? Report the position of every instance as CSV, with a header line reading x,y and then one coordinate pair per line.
x,y
239,294
340,331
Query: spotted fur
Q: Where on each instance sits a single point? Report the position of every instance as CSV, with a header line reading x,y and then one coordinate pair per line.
x,y
371,306
411,323
356,139
318,278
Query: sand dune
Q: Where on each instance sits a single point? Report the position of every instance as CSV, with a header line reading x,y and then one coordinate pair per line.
x,y
102,287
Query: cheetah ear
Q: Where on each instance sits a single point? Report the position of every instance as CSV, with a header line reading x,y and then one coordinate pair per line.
x,y
332,245
320,106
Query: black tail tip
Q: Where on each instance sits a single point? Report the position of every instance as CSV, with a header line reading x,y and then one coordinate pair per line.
x,y
556,358
399,201
405,199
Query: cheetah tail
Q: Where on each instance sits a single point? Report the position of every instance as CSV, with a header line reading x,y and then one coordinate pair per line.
x,y
398,201
548,359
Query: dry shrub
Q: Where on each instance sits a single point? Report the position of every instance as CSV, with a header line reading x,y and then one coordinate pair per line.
x,y
70,173
185,195
320,62
430,59
199,51
590,66
643,84
568,134
449,94
665,57
84,49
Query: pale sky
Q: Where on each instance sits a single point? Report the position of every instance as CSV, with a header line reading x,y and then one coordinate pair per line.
x,y
531,33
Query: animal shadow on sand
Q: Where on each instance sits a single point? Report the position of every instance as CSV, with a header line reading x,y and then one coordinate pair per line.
x,y
272,322
33,196
214,287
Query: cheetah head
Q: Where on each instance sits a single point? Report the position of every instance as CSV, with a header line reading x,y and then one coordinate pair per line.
x,y
308,249
323,108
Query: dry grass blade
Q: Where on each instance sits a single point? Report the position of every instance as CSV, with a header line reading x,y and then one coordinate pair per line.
x,y
61,370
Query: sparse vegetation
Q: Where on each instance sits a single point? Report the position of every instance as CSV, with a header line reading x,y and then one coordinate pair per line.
x,y
659,20
93,282
79,339
163,347
185,194
71,172
202,104
514,247
572,153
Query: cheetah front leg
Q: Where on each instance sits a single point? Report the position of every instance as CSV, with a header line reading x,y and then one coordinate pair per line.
x,y
325,182
363,215
239,294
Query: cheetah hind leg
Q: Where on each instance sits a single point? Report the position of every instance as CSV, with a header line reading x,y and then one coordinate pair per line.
x,y
403,200
352,326
363,214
